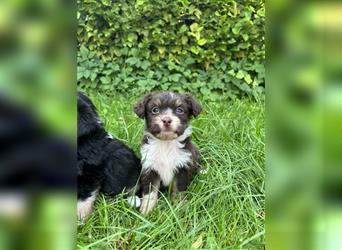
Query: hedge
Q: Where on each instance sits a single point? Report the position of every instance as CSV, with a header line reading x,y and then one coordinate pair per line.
x,y
201,46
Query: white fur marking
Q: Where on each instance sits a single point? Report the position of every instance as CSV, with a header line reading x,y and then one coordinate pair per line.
x,y
109,136
85,207
134,201
149,201
165,156
175,120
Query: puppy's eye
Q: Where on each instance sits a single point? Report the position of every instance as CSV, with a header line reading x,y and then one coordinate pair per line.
x,y
179,110
155,110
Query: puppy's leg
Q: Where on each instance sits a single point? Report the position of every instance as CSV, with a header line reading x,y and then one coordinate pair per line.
x,y
150,186
181,183
85,207
133,197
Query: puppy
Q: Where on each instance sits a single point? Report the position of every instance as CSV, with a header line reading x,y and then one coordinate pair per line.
x,y
103,163
168,155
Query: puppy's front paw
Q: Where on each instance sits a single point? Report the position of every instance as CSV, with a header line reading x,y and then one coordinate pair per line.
x,y
149,201
134,201
84,209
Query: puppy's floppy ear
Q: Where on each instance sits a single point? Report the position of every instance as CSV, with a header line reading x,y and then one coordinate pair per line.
x,y
140,106
194,106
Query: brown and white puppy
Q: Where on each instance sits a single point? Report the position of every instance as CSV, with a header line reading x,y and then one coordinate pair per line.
x,y
168,155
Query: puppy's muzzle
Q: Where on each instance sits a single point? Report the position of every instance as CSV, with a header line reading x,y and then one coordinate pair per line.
x,y
167,121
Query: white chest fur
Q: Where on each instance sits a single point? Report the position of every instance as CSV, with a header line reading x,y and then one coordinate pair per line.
x,y
165,157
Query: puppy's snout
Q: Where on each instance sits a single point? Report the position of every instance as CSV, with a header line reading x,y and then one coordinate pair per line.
x,y
166,121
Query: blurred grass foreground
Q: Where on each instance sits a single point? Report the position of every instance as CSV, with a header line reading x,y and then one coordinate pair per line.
x,y
37,125
304,125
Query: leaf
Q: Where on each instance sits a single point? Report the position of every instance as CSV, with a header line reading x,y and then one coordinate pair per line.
x,y
139,3
194,49
86,74
248,78
93,85
129,79
161,50
245,37
231,41
132,61
261,12
93,75
184,40
132,37
84,51
240,74
197,13
201,41
183,28
79,76
145,64
115,67
236,30
105,79
194,27
174,77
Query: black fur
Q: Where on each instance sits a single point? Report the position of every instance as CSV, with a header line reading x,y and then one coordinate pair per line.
x,y
103,163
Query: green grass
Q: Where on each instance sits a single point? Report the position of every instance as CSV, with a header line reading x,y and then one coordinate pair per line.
x,y
225,205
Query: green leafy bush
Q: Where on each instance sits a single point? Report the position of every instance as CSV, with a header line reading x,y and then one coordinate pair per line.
x,y
202,46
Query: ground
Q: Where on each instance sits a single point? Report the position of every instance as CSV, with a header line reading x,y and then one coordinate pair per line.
x,y
225,204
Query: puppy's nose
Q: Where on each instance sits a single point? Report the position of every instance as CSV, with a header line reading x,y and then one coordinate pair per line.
x,y
167,121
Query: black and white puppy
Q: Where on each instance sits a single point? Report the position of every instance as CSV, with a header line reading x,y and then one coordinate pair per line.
x,y
168,155
103,163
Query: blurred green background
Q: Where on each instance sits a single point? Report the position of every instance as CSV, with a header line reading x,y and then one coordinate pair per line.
x,y
304,125
207,47
37,83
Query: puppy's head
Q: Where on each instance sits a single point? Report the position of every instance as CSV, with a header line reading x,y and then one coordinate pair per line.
x,y
167,114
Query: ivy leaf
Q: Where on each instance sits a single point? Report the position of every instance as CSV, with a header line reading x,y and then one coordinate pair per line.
x,y
79,76
236,30
184,40
197,13
161,50
201,41
183,28
194,27
132,37
132,61
194,49
245,37
240,74
145,64
129,79
93,76
261,12
248,78
105,79
174,77
86,74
